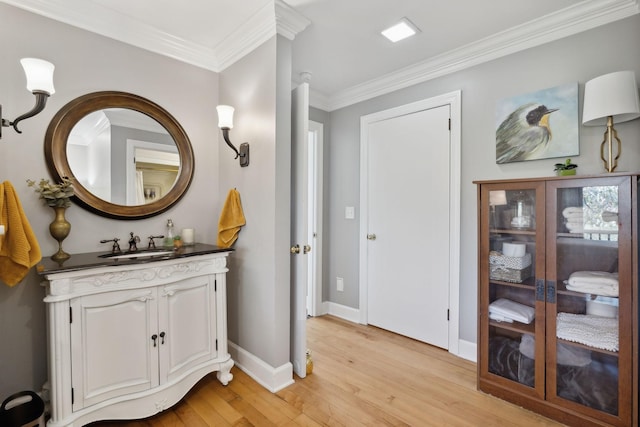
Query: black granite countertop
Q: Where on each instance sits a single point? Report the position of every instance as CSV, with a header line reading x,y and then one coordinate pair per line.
x,y
88,260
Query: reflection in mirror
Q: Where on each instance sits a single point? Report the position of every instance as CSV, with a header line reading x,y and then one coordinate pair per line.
x,y
128,157
123,156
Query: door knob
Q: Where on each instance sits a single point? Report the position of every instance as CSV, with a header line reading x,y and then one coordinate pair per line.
x,y
306,249
371,236
295,249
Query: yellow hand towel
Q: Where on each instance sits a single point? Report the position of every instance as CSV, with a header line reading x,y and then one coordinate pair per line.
x,y
19,249
231,219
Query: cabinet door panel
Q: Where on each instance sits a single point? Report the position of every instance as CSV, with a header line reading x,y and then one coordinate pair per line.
x,y
512,348
187,319
111,346
589,305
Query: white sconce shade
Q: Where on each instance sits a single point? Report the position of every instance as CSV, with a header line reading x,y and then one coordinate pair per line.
x,y
615,95
225,116
39,75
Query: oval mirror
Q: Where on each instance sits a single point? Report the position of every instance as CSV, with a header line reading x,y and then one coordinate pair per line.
x,y
127,156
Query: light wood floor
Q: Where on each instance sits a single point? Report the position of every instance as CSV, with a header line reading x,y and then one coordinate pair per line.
x,y
363,376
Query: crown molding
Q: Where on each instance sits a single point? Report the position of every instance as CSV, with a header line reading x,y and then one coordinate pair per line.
x,y
108,23
569,21
289,22
248,36
273,17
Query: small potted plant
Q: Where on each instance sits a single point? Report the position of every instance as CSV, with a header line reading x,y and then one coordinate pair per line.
x,y
566,168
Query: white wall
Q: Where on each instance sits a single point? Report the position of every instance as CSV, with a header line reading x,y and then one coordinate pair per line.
x,y
85,63
575,59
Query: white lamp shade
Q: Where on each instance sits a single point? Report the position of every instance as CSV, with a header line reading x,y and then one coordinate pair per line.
x,y
39,75
614,94
225,116
497,198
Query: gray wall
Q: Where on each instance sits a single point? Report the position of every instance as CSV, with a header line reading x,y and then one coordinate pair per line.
x,y
259,280
578,58
85,63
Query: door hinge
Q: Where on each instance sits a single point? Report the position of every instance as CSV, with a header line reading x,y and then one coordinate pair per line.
x,y
447,314
449,124
70,315
216,344
215,285
72,396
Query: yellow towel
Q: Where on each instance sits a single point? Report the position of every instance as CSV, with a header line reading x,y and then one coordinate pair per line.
x,y
19,249
231,219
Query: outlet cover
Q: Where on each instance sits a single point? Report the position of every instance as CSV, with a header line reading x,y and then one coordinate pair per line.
x,y
349,212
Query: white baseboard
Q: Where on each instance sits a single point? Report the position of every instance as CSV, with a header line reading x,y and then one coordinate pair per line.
x,y
273,379
468,350
342,311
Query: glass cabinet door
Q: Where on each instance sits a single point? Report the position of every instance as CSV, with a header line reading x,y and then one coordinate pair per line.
x,y
512,257
588,292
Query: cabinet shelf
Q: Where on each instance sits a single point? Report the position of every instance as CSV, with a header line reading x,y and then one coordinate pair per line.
x,y
522,328
528,284
586,347
524,232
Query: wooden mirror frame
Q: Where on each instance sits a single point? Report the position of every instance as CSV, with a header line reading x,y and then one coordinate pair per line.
x,y
55,151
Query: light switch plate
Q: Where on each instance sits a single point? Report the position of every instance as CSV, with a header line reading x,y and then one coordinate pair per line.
x,y
349,212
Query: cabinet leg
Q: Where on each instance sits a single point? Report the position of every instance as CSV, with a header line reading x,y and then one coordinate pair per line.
x,y
224,374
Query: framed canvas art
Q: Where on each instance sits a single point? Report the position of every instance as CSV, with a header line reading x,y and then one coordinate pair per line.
x,y
538,125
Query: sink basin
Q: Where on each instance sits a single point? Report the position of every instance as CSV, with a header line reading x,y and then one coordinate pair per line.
x,y
140,254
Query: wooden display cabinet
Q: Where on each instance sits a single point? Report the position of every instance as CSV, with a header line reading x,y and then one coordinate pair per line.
x,y
577,359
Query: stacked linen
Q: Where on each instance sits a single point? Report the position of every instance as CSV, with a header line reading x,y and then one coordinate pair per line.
x,y
594,331
574,217
505,310
593,282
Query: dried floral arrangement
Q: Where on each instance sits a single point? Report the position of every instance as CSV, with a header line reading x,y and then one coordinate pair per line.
x,y
54,195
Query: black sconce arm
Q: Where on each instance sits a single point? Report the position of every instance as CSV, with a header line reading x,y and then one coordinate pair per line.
x,y
41,102
225,135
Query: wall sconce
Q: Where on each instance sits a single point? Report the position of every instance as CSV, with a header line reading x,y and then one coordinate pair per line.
x,y
608,97
39,82
225,122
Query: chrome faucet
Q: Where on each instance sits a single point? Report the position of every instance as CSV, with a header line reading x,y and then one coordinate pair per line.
x,y
116,247
133,241
152,243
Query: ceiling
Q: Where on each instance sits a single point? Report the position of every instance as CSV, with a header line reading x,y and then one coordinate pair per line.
x,y
337,43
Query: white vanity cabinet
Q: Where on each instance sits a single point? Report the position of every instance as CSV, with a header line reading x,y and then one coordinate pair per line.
x,y
128,341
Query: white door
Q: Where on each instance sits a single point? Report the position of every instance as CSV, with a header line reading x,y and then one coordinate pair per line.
x,y
314,171
408,224
299,226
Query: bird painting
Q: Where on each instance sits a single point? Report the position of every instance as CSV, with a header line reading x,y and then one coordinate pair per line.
x,y
525,134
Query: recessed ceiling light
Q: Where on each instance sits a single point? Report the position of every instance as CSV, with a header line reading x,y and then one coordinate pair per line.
x,y
401,30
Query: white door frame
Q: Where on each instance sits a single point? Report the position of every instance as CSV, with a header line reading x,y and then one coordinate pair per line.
x,y
314,303
453,99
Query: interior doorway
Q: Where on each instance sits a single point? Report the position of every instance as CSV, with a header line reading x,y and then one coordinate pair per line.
x,y
315,172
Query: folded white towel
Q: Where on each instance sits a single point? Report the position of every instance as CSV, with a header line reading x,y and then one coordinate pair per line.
x,y
574,220
606,290
599,278
594,282
572,210
587,329
512,310
499,318
574,227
